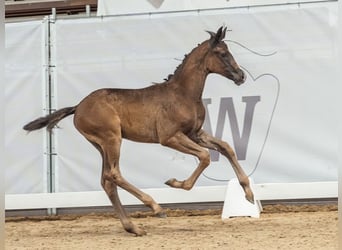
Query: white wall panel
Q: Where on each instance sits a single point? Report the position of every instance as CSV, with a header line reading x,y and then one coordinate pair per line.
x,y
25,170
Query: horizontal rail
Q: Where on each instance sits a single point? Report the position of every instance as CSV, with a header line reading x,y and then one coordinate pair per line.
x,y
267,191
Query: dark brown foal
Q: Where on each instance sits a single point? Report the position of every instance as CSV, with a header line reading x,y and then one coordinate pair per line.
x,y
169,113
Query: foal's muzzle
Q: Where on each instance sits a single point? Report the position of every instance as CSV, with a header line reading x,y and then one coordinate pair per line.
x,y
239,77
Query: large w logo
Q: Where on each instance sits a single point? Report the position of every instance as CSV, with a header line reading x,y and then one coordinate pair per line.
x,y
240,140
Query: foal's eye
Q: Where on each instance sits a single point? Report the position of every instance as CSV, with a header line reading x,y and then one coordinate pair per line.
x,y
224,54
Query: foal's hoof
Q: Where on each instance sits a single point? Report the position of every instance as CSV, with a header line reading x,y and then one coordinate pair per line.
x,y
174,183
161,214
131,228
171,182
139,232
250,198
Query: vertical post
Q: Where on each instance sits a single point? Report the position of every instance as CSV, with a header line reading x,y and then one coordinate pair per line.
x,y
50,107
53,13
88,11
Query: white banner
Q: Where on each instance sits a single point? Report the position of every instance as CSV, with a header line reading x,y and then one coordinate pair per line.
x,y
25,169
281,121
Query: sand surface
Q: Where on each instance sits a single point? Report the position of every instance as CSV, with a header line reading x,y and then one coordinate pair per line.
x,y
279,227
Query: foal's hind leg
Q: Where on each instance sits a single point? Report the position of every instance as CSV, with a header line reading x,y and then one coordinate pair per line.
x,y
110,187
108,145
111,177
111,171
208,141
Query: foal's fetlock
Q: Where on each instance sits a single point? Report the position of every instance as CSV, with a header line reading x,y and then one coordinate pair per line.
x,y
186,185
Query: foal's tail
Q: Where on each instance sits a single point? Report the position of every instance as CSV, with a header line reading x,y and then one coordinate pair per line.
x,y
51,120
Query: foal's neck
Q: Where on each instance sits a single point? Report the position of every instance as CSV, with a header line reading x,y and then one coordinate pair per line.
x,y
190,76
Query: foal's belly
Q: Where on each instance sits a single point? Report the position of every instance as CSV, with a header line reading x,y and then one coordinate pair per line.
x,y
139,126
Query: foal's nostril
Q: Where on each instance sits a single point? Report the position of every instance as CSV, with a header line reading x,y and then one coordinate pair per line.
x,y
244,76
241,74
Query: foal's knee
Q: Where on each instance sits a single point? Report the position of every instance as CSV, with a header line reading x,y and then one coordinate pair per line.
x,y
204,158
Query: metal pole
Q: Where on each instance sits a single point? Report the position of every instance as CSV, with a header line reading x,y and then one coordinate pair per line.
x,y
88,11
50,108
53,13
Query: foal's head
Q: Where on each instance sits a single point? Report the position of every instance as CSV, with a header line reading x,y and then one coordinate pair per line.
x,y
219,59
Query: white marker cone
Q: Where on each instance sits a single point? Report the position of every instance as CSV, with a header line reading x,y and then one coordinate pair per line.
x,y
235,203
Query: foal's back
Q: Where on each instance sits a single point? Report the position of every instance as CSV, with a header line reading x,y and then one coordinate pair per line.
x,y
134,111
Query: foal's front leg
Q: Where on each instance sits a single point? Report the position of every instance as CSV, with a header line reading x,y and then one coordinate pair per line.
x,y
208,141
184,144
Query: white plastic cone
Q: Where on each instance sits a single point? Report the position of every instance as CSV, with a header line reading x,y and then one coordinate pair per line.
x,y
235,203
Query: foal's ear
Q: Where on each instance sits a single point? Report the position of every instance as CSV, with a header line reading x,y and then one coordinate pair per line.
x,y
216,38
